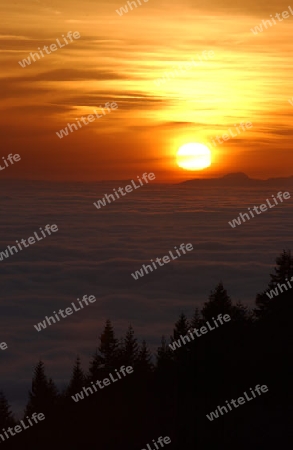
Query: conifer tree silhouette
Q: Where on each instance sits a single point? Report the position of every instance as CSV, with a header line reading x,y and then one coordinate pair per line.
x,y
143,362
96,364
283,272
219,303
43,396
181,327
108,346
6,416
106,357
196,320
78,379
130,348
180,388
241,314
284,267
164,356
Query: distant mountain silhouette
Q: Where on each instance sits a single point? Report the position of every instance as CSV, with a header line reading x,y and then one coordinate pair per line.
x,y
239,179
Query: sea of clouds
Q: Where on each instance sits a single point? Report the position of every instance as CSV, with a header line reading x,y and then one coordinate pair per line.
x,y
95,252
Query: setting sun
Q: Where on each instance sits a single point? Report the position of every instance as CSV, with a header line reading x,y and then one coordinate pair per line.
x,y
193,156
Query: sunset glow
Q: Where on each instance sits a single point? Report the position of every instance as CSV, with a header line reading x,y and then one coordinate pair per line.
x,y
147,184
193,157
166,91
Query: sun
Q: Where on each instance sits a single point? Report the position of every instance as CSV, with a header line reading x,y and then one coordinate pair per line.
x,y
194,156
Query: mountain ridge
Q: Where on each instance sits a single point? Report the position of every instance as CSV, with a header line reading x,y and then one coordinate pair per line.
x,y
237,178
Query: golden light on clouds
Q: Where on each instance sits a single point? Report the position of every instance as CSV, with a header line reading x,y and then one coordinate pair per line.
x,y
119,58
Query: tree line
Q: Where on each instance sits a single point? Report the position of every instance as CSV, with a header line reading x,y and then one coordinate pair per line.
x,y
170,393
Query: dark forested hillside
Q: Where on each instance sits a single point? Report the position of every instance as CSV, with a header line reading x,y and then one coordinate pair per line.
x,y
171,393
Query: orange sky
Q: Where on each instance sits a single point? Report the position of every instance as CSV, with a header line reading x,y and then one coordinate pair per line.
x,y
117,59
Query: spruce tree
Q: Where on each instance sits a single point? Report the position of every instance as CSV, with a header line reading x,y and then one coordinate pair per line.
x,y
130,348
196,319
144,359
96,364
181,327
77,381
281,275
43,396
219,303
6,417
284,268
164,356
241,314
106,357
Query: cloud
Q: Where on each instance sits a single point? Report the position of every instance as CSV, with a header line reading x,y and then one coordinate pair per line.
x,y
95,253
67,75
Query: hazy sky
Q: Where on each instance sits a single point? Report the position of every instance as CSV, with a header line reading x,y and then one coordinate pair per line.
x,y
117,59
